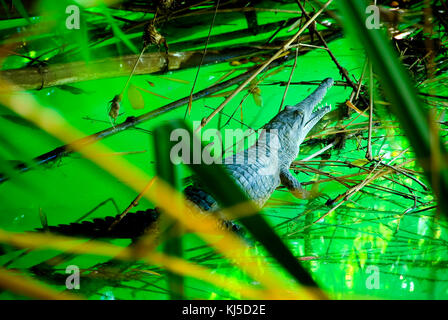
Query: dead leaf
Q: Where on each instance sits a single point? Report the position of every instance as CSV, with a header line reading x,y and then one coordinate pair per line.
x,y
135,98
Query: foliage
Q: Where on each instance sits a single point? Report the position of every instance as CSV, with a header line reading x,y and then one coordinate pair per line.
x,y
375,214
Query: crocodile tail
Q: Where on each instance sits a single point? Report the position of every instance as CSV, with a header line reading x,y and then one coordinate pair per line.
x,y
131,226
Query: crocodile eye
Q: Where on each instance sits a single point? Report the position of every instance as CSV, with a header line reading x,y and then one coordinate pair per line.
x,y
298,113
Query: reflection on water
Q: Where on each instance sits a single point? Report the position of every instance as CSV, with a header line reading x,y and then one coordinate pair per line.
x,y
369,253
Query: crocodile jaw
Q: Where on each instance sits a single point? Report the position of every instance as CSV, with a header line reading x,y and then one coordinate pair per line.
x,y
308,119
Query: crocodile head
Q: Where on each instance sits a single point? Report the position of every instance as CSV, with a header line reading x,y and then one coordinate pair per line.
x,y
295,122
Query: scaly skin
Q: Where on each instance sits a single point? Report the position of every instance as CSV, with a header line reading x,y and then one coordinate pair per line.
x,y
258,170
289,128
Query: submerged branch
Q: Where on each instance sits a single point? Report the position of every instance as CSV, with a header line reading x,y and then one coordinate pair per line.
x,y
39,77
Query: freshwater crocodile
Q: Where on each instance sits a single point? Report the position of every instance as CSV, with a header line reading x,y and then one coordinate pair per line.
x,y
257,178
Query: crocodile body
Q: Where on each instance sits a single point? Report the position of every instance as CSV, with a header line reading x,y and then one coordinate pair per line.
x,y
258,170
277,147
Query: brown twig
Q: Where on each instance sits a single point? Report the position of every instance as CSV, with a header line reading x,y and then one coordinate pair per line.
x,y
355,94
202,60
130,122
342,70
349,193
133,204
289,80
369,155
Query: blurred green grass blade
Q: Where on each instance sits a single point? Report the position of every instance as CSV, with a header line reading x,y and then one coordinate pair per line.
x,y
228,194
403,96
167,171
